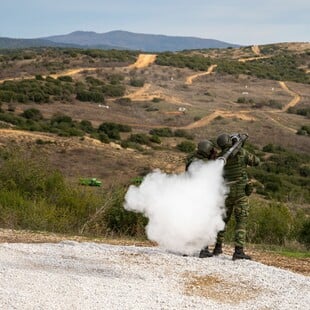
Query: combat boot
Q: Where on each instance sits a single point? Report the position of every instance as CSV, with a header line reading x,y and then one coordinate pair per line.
x,y
217,249
239,254
205,253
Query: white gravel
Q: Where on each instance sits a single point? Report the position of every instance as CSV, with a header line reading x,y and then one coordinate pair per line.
x,y
71,275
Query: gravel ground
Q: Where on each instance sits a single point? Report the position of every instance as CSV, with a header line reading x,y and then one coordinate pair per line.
x,y
73,275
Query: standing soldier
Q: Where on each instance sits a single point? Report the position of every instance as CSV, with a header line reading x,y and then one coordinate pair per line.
x,y
237,201
205,151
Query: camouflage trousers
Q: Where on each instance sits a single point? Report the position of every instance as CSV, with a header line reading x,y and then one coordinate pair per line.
x,y
237,204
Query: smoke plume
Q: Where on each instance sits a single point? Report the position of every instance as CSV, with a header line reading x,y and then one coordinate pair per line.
x,y
186,210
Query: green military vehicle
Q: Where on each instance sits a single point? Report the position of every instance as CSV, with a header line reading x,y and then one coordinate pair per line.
x,y
90,181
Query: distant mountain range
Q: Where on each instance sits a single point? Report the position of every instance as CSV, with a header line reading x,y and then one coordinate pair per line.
x,y
117,40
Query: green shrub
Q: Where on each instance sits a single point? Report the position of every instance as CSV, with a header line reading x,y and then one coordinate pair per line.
x,y
112,130
304,234
120,221
183,133
133,145
136,82
155,139
186,146
86,126
103,137
162,132
113,90
272,224
33,114
65,78
7,96
304,130
91,96
33,195
140,138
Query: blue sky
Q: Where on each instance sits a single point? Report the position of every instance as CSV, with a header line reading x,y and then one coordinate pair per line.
x,y
243,22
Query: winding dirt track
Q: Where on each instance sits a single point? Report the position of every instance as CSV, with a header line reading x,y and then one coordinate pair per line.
x,y
255,49
189,80
294,101
143,60
219,113
145,93
55,76
244,115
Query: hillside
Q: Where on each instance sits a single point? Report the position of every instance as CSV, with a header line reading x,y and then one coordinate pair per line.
x,y
138,41
118,40
208,103
117,115
11,43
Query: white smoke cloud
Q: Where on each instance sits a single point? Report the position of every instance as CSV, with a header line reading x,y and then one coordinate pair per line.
x,y
186,210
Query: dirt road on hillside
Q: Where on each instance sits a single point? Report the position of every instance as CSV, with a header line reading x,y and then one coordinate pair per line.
x,y
189,80
294,101
219,113
21,136
148,93
255,49
143,60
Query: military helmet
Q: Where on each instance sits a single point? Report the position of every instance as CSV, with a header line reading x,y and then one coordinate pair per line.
x,y
223,140
205,147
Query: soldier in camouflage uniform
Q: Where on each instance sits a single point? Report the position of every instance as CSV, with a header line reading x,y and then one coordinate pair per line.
x,y
205,151
237,201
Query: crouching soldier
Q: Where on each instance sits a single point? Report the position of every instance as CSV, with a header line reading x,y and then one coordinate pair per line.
x,y
205,151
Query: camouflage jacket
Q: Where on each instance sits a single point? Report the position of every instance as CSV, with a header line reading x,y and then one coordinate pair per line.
x,y
235,168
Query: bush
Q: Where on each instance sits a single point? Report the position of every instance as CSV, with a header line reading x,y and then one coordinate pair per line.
x,y
33,195
155,139
113,90
91,96
186,146
112,130
183,133
103,137
133,145
304,131
140,138
267,224
65,78
162,132
86,126
304,234
33,114
136,82
120,221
